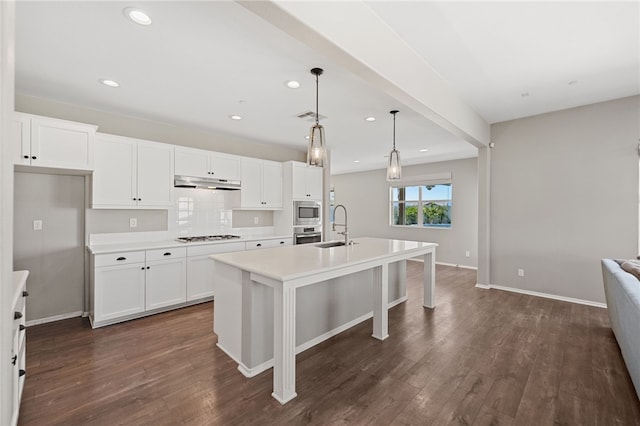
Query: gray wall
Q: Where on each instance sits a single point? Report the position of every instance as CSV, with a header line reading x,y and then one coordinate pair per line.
x,y
366,196
564,194
53,256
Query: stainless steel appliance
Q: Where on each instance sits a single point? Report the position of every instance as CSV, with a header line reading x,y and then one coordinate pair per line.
x,y
204,238
307,213
306,235
206,183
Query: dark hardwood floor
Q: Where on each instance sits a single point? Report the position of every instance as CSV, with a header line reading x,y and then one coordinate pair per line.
x,y
481,357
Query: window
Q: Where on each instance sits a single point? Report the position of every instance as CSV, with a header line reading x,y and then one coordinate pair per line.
x,y
428,206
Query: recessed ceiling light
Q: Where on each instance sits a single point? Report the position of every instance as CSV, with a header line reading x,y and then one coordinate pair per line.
x,y
370,119
423,150
292,84
356,161
137,16
235,117
109,83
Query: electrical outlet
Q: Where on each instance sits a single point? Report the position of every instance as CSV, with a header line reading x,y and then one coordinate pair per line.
x,y
133,222
467,253
521,272
256,220
37,225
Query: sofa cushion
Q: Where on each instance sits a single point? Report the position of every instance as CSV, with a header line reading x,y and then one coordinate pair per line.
x,y
632,267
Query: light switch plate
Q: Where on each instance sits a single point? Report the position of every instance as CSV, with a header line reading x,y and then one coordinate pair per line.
x,y
37,225
133,222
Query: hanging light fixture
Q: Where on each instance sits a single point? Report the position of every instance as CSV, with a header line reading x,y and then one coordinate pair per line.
x,y
394,169
316,154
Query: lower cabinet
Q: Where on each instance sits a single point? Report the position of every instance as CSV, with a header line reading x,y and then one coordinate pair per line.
x,y
201,270
119,291
166,283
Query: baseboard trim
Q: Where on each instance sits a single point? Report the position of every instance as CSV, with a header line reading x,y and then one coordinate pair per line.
x,y
252,372
545,295
54,318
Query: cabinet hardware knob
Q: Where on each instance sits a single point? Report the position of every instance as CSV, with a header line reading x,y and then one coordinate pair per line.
x,y
281,242
17,315
121,258
148,267
34,157
258,245
167,254
26,156
135,199
22,327
142,268
14,359
25,293
21,373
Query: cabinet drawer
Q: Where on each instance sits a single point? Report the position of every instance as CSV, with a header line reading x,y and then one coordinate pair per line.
x,y
207,249
166,253
121,258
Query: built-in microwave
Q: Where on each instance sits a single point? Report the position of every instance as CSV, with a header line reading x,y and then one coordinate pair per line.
x,y
307,213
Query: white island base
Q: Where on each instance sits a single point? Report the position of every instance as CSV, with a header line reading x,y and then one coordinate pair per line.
x,y
272,304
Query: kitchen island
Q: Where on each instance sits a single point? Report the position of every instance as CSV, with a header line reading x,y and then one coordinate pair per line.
x,y
256,307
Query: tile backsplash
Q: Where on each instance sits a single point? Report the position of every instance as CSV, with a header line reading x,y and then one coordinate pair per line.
x,y
202,212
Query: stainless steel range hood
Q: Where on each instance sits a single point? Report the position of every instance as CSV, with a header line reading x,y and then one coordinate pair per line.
x,y
206,183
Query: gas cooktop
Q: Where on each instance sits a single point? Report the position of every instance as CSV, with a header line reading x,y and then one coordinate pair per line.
x,y
206,238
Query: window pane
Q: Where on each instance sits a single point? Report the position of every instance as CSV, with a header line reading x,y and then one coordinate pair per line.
x,y
395,194
436,192
397,215
413,193
437,214
411,213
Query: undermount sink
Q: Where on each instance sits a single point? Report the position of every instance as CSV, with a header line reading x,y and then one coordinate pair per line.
x,y
333,244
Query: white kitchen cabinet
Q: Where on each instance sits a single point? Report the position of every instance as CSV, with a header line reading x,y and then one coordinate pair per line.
x,y
200,269
166,278
202,163
261,184
119,291
306,182
132,173
54,143
268,243
18,348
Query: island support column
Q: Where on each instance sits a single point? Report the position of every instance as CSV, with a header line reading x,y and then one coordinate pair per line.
x,y
381,301
429,280
284,339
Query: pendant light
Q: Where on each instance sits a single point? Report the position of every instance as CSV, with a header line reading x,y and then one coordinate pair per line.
x,y
394,169
316,152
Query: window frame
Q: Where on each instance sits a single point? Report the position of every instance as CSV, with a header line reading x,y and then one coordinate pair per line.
x,y
421,203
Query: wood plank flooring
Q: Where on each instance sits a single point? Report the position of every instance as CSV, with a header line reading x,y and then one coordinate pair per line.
x,y
481,357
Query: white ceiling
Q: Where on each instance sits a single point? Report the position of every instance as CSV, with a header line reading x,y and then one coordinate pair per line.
x,y
200,62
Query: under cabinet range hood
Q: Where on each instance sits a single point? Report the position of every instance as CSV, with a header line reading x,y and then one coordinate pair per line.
x,y
206,183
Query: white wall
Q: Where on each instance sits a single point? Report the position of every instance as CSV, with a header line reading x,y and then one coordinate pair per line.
x,y
564,194
366,196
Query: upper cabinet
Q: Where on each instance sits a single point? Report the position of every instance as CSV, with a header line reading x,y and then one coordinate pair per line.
x,y
201,163
261,184
132,173
50,142
306,182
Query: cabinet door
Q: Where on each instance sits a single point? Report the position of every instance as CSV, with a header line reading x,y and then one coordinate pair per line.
x,y
61,144
225,166
200,277
22,138
114,182
155,174
272,184
119,291
299,182
314,183
166,283
251,193
192,162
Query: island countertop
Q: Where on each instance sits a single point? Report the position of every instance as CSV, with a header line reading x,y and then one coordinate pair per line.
x,y
298,261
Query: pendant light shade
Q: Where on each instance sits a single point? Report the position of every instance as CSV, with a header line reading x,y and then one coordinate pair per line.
x,y
394,168
316,151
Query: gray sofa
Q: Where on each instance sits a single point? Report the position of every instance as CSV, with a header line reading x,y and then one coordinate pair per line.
x,y
622,291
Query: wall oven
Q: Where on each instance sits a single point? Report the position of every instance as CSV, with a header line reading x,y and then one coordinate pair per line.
x,y
307,235
307,213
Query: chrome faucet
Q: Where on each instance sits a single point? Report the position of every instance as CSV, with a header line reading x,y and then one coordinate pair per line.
x,y
346,230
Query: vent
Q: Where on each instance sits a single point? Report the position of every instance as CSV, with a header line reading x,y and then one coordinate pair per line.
x,y
310,116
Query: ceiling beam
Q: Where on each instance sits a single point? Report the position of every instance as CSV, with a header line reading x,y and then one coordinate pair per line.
x,y
353,36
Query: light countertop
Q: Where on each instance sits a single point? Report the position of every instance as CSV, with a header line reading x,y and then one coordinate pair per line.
x,y
297,261
151,245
